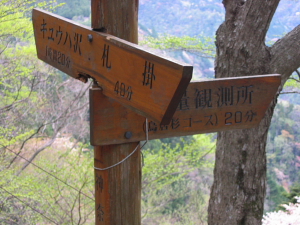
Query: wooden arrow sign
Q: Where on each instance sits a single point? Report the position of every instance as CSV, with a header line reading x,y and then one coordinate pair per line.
x,y
208,106
148,84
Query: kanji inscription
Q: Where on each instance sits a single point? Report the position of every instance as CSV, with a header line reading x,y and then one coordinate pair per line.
x,y
148,84
206,106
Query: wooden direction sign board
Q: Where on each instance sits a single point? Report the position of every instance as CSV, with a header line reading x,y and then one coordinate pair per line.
x,y
148,84
206,106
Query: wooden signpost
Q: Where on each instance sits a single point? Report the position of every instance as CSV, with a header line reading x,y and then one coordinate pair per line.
x,y
125,71
119,202
136,84
206,106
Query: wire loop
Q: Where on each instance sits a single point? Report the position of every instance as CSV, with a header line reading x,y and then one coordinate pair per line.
x,y
147,136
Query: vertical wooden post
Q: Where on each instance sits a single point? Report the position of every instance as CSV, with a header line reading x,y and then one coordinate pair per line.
x,y
118,189
116,17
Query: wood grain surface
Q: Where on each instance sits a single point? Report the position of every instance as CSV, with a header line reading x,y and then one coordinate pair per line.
x,y
118,189
207,106
146,83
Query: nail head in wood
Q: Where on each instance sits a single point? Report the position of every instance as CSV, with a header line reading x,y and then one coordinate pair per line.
x,y
128,134
90,38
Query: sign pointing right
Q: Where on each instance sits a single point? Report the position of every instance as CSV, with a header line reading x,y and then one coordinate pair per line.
x,y
206,106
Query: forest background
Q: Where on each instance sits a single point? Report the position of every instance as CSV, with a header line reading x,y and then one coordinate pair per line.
x,y
46,163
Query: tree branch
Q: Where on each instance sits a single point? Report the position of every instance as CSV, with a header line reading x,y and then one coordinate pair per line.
x,y
242,36
23,144
289,92
258,15
5,47
231,7
286,55
296,80
254,15
298,73
47,144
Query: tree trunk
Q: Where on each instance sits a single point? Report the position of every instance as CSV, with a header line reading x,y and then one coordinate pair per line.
x,y
238,191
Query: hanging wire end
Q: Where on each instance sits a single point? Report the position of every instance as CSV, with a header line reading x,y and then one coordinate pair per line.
x,y
123,160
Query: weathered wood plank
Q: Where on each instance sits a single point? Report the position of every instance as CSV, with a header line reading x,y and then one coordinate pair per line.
x,y
119,201
148,84
117,190
207,106
122,10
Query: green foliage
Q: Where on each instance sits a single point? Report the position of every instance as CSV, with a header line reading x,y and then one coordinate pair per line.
x,y
36,102
275,192
293,81
290,196
181,18
15,22
176,181
72,8
282,120
177,172
47,195
158,144
198,51
18,67
200,45
279,196
283,151
284,137
19,81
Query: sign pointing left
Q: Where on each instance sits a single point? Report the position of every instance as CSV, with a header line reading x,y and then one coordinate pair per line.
x,y
148,84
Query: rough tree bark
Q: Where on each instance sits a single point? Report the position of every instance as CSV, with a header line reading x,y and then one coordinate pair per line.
x,y
238,191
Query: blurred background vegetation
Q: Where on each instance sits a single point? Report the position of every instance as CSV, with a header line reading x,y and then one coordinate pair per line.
x,y
46,161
